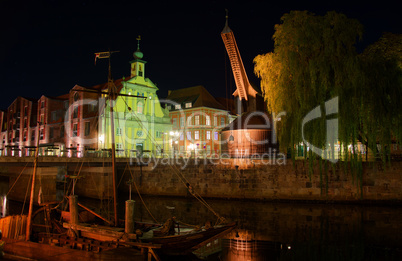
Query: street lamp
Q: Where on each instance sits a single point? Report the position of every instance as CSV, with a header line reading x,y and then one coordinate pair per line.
x,y
174,135
191,147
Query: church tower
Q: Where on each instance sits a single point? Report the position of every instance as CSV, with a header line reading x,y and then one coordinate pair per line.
x,y
138,65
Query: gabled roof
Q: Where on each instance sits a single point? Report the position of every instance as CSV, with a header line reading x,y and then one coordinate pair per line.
x,y
197,95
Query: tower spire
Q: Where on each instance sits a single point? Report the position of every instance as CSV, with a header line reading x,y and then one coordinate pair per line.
x,y
138,42
226,29
138,54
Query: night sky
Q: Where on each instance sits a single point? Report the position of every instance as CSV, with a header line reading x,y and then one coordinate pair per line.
x,y
47,47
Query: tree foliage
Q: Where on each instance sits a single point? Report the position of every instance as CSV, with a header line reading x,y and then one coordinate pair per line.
x,y
314,60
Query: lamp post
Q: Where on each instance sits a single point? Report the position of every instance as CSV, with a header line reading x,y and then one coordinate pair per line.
x,y
174,135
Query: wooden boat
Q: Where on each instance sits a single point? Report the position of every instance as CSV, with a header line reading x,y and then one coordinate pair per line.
x,y
186,239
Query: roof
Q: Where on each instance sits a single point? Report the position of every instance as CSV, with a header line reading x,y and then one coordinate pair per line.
x,y
104,86
197,95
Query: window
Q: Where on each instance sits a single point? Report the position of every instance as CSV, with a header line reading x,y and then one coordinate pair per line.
x,y
91,107
25,110
33,135
208,135
158,134
177,106
62,131
215,120
207,120
76,96
188,105
182,121
42,119
25,136
54,115
87,128
51,132
42,105
189,135
169,107
216,135
75,130
222,121
175,122
41,134
181,136
75,112
140,107
197,119
25,123
197,135
118,131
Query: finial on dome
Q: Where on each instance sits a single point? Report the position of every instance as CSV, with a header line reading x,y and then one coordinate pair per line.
x,y
138,54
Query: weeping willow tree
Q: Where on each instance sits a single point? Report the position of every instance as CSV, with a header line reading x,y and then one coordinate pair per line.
x,y
315,60
381,102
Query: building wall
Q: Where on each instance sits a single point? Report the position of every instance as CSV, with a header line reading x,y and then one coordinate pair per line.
x,y
197,131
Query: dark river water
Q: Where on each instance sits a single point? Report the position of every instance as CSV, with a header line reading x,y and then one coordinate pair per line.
x,y
278,231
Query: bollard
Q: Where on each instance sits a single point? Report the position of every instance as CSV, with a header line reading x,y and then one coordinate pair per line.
x,y
73,200
129,224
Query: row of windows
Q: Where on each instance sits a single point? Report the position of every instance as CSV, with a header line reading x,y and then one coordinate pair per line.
x,y
197,121
178,106
196,135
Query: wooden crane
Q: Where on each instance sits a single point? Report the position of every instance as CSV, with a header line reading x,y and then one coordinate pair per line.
x,y
246,95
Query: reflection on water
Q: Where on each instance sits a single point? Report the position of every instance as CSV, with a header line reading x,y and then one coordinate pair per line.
x,y
280,231
292,231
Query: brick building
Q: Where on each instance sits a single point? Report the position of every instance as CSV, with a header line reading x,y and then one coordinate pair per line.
x,y
197,118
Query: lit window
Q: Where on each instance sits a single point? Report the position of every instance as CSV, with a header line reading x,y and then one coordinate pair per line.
x,y
216,136
188,105
197,119
118,131
140,107
222,121
181,136
215,120
197,135
207,120
208,135
181,121
177,106
189,135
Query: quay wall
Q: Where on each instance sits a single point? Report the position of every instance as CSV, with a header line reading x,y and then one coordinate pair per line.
x,y
232,179
274,182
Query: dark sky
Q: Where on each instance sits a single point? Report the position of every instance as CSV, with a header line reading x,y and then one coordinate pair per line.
x,y
46,47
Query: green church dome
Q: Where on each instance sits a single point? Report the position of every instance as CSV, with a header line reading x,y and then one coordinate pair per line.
x,y
138,54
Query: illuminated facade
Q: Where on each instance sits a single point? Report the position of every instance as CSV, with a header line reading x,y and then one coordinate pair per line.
x,y
51,114
139,122
19,126
197,118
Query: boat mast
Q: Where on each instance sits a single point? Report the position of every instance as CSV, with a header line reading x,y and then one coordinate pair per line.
x,y
112,97
29,221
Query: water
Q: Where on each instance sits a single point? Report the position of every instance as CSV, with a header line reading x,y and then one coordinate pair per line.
x,y
280,231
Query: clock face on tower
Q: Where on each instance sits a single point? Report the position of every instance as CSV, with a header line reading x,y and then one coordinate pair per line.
x,y
139,133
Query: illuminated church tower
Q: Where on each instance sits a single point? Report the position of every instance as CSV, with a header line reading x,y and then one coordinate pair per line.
x,y
140,120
